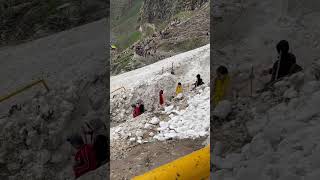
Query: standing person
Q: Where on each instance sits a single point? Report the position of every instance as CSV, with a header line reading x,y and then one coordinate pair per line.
x,y
161,98
222,85
85,158
199,81
136,110
179,89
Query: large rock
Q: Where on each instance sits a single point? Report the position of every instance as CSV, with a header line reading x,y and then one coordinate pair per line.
x,y
223,109
44,156
154,121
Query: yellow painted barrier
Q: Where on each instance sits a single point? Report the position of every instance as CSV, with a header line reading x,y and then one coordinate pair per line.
x,y
23,89
194,166
118,89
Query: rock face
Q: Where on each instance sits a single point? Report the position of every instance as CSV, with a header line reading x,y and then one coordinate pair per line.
x,y
23,20
155,10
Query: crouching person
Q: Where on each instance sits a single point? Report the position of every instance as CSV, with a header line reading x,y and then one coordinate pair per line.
x,y
85,158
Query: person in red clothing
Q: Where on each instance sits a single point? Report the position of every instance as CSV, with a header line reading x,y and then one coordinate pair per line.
x,y
85,158
161,98
136,110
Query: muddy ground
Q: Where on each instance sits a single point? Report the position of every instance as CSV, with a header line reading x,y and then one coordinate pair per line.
x,y
152,155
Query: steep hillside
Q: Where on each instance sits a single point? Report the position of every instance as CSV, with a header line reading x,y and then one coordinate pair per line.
x,y
124,23
162,10
24,20
171,32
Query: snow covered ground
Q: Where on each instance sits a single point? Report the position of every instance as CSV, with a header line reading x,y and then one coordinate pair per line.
x,y
191,63
192,122
33,139
185,116
285,131
285,123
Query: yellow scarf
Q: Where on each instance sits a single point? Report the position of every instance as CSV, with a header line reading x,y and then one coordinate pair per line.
x,y
220,89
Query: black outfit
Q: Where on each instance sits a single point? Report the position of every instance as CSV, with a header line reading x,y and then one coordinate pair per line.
x,y
101,147
199,82
141,108
288,61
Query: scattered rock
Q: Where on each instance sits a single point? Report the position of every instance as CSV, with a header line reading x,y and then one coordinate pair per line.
x,y
223,109
44,156
13,166
155,121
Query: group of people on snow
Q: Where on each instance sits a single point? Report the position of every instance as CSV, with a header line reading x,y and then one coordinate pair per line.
x,y
285,65
138,108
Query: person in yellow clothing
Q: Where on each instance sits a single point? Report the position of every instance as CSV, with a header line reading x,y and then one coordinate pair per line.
x,y
222,85
179,89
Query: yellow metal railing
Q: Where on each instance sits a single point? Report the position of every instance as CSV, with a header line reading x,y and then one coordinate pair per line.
x,y
3,98
118,89
194,166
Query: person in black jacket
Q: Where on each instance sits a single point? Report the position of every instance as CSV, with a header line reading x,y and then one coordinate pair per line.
x,y
199,81
287,62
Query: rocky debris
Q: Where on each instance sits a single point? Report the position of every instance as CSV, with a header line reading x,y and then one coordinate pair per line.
x,y
154,121
170,123
276,131
180,34
121,101
34,139
191,122
223,109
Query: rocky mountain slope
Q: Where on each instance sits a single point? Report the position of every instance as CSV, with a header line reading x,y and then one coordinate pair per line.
x,y
24,20
162,10
165,32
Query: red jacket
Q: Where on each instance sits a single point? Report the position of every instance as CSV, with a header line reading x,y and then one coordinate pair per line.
x,y
136,111
161,99
87,158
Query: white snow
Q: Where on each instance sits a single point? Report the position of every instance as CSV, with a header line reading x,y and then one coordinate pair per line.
x,y
285,127
192,123
285,142
154,121
73,66
142,75
186,116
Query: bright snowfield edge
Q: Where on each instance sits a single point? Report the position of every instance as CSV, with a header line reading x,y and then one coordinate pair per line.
x,y
185,116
